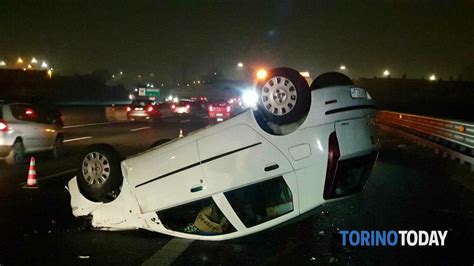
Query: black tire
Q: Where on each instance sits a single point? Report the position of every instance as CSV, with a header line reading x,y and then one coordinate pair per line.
x,y
58,148
284,96
330,79
17,154
159,142
99,176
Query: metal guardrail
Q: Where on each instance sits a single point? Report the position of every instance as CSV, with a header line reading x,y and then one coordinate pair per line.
x,y
453,137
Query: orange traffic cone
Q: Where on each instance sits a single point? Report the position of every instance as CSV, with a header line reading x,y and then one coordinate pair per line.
x,y
180,133
31,182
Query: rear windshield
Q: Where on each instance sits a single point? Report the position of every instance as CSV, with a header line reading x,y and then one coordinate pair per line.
x,y
219,103
184,103
141,103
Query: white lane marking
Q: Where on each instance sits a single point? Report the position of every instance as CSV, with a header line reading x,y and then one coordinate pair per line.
x,y
185,121
169,252
140,128
94,124
76,139
70,171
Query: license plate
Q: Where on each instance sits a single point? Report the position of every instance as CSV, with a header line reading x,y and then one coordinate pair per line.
x,y
220,119
219,115
138,109
358,93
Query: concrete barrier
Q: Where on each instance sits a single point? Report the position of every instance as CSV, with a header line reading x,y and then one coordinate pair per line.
x,y
76,115
116,113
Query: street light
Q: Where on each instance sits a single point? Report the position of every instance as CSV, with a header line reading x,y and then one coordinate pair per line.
x,y
50,73
44,65
342,67
19,61
386,73
34,61
2,63
29,66
240,64
432,77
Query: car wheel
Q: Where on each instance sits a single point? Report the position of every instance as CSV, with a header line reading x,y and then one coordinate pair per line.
x,y
58,147
100,178
284,96
159,142
17,154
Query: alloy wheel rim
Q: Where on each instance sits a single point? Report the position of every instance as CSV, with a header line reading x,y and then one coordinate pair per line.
x,y
279,96
95,168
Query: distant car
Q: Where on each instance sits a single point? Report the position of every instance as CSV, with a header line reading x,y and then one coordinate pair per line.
x,y
183,107
219,111
165,108
26,128
302,146
143,110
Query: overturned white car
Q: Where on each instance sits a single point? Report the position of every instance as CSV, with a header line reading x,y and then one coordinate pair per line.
x,y
300,147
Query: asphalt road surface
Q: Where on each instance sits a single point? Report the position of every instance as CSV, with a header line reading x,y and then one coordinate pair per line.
x,y
409,189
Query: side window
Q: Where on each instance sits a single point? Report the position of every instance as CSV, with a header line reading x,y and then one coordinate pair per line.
x,y
261,202
27,112
201,217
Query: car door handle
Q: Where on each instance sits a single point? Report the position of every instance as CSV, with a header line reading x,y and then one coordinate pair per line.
x,y
197,189
271,167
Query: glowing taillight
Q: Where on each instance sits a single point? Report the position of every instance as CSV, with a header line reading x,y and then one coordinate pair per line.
x,y
173,106
129,109
150,109
210,108
3,126
187,106
333,157
228,109
29,111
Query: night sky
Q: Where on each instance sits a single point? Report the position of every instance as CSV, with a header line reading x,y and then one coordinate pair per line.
x,y
169,38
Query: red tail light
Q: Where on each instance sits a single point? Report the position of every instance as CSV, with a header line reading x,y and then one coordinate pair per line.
x,y
210,108
228,109
187,106
333,157
149,109
129,109
173,106
29,111
3,126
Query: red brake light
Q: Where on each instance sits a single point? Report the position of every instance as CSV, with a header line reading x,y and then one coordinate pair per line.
x,y
3,126
129,109
29,111
210,108
228,109
333,157
173,106
149,109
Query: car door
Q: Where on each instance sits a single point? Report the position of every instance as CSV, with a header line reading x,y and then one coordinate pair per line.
x,y
25,126
165,176
237,156
46,129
